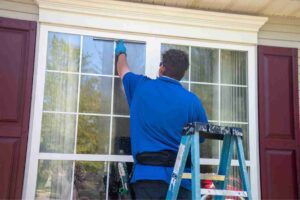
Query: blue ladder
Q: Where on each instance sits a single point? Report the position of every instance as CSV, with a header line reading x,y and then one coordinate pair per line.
x,y
190,140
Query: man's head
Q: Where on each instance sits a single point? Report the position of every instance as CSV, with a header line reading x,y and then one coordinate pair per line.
x,y
174,64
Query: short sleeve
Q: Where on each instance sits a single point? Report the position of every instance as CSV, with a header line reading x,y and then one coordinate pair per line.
x,y
130,83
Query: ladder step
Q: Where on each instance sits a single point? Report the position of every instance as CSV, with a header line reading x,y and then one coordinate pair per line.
x,y
224,192
213,177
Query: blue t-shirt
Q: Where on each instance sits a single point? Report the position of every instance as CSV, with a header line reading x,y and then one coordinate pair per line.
x,y
159,109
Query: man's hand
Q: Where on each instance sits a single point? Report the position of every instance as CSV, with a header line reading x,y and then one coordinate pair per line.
x,y
120,53
120,48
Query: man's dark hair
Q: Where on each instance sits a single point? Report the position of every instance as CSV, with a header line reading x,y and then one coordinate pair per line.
x,y
176,63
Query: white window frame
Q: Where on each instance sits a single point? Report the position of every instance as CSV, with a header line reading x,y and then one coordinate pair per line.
x,y
153,44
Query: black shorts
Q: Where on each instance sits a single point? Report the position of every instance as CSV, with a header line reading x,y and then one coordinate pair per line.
x,y
155,189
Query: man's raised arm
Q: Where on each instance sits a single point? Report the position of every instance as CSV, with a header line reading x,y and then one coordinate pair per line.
x,y
120,52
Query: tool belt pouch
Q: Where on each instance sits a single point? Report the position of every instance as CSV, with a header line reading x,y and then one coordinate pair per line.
x,y
164,158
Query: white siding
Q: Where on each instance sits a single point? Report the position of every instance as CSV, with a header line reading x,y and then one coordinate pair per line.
x,y
19,9
282,32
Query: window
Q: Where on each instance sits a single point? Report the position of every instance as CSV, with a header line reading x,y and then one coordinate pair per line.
x,y
219,78
84,112
81,118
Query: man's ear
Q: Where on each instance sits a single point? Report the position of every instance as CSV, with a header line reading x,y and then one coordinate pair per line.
x,y
162,70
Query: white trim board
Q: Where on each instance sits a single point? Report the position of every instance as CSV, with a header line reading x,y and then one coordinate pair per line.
x,y
151,19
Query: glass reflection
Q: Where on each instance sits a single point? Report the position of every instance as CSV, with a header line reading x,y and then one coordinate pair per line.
x,y
95,94
136,57
115,183
58,132
166,47
60,92
234,104
234,181
97,56
54,179
120,101
204,65
121,136
208,95
234,67
209,149
90,180
209,169
93,134
63,52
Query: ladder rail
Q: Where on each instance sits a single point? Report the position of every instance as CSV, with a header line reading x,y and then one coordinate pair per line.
x,y
195,166
243,168
225,162
181,158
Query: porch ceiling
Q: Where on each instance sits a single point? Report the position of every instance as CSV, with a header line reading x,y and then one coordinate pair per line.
x,y
286,8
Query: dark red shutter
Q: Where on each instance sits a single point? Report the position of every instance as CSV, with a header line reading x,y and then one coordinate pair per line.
x,y
279,138
17,44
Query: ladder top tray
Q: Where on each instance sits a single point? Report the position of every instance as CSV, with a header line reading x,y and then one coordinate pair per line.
x,y
211,131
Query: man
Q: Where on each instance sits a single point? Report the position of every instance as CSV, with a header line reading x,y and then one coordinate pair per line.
x,y
159,109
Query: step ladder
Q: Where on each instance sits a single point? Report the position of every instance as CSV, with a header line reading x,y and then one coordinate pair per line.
x,y
190,141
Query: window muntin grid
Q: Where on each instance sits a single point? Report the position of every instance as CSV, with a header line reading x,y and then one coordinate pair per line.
x,y
103,157
219,78
84,112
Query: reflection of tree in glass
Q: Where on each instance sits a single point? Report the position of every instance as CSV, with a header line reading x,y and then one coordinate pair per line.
x,y
90,94
89,180
63,52
95,94
93,134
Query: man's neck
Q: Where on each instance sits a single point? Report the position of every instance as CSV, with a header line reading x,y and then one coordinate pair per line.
x,y
169,77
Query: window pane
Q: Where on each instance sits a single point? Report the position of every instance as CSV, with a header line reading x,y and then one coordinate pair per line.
x,y
208,95
61,92
235,181
120,101
63,52
90,180
93,134
234,104
121,136
166,47
97,56
209,149
115,183
136,57
204,65
209,169
234,67
95,94
58,132
54,179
